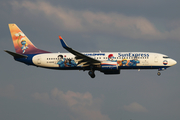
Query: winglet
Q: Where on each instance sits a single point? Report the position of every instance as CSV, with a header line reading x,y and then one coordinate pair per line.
x,y
63,42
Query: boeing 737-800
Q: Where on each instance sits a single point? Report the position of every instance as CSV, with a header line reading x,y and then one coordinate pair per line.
x,y
106,62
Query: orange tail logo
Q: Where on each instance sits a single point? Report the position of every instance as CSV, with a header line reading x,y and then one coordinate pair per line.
x,y
21,43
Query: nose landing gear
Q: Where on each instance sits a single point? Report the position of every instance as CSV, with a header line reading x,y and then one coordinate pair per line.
x,y
91,73
159,73
161,69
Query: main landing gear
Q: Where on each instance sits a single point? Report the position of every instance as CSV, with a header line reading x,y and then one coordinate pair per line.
x,y
91,73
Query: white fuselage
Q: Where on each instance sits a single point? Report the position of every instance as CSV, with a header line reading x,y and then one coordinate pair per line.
x,y
125,60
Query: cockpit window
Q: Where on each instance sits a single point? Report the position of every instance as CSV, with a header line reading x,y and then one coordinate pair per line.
x,y
166,57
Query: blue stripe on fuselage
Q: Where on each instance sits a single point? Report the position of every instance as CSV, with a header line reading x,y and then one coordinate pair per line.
x,y
119,67
142,67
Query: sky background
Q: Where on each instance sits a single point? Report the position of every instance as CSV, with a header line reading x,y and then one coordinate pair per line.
x,y
28,92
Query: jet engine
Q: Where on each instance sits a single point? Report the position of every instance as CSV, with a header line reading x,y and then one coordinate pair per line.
x,y
109,67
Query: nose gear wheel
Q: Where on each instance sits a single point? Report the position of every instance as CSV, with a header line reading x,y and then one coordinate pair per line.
x,y
159,73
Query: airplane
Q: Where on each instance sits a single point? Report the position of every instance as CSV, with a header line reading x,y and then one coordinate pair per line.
x,y
109,63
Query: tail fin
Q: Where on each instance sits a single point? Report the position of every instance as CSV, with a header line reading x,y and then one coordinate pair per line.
x,y
21,43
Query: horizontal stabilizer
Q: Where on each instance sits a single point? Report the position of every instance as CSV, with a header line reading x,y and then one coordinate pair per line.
x,y
16,55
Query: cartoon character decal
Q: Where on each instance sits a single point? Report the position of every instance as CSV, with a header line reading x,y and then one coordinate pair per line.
x,y
133,62
111,58
23,41
124,62
63,62
24,45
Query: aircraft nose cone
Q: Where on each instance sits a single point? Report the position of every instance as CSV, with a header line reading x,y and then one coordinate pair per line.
x,y
173,62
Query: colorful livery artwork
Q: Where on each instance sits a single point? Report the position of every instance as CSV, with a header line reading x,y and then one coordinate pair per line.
x,y
105,62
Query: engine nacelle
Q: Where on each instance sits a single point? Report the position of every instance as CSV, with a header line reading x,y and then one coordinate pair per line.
x,y
108,65
110,72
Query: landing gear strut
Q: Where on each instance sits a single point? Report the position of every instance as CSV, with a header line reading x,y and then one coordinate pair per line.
x,y
159,73
91,73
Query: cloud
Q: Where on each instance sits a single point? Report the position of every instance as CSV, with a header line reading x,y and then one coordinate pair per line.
x,y
135,27
135,107
81,106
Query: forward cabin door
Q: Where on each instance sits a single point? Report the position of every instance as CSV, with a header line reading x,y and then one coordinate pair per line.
x,y
39,60
156,59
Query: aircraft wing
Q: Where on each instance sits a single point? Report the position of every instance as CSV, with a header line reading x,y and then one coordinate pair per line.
x,y
82,59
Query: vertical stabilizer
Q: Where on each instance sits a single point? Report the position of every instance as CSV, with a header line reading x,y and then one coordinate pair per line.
x,y
21,43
